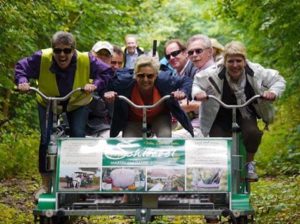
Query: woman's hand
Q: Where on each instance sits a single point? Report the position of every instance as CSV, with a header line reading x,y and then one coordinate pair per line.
x,y
110,96
89,88
178,95
268,95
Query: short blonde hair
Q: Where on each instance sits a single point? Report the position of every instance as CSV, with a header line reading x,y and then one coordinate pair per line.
x,y
143,61
235,48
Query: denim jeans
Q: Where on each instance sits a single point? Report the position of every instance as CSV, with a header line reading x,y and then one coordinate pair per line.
x,y
77,120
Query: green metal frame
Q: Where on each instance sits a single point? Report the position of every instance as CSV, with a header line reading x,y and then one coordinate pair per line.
x,y
238,202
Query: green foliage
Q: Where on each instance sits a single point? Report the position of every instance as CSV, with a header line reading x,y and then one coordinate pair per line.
x,y
13,216
276,200
18,153
270,31
280,151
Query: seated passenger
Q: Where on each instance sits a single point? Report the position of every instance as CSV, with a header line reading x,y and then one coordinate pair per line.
x,y
235,82
146,87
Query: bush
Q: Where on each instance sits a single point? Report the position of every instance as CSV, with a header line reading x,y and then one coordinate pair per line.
x,y
19,152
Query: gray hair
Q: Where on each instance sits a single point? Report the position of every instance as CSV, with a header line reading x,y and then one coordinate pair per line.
x,y
65,38
143,61
203,38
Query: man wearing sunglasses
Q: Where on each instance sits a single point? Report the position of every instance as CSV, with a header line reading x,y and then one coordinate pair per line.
x,y
176,54
200,52
196,57
59,70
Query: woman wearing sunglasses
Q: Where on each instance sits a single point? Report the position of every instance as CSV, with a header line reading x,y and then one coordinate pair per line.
x,y
59,70
145,87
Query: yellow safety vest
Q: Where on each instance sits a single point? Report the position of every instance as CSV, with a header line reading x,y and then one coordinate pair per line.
x,y
47,80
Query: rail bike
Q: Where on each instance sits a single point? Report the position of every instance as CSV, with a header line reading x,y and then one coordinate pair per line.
x,y
159,176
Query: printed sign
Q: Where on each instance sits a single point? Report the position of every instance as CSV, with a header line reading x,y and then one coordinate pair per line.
x,y
143,165
144,152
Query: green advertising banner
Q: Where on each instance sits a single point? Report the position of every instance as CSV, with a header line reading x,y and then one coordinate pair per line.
x,y
150,152
143,165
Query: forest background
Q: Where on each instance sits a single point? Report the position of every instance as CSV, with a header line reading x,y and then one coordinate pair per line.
x,y
269,28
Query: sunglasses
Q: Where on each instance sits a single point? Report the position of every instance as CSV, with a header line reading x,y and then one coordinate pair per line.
x,y
65,50
143,75
198,51
174,54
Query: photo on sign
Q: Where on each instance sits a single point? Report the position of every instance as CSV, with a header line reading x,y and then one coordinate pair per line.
x,y
79,179
206,178
123,179
165,179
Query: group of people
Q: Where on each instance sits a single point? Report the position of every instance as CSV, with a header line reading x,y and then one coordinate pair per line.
x,y
189,72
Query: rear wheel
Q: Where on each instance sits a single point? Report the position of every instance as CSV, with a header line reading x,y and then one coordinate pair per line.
x,y
60,219
52,220
244,220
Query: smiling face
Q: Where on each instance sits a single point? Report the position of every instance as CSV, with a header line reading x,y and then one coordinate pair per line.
x,y
63,55
131,44
145,78
235,65
177,62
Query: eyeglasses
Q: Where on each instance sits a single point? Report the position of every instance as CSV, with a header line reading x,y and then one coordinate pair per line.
x,y
116,62
198,51
143,75
174,54
65,50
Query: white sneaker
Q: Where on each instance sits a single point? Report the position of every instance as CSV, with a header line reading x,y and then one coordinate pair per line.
x,y
251,174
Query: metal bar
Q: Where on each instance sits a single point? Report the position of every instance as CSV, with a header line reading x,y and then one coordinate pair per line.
x,y
144,106
234,106
132,212
64,98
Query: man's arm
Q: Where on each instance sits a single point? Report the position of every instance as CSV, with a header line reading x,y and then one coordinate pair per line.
x,y
101,73
26,69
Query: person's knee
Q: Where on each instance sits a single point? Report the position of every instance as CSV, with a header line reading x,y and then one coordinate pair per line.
x,y
252,133
252,140
166,133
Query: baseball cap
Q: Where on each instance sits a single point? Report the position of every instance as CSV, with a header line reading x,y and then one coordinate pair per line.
x,y
103,45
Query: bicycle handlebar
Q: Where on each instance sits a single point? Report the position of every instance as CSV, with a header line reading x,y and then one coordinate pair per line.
x,y
144,106
234,106
50,98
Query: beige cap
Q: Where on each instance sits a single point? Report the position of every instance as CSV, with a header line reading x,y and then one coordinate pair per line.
x,y
103,45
